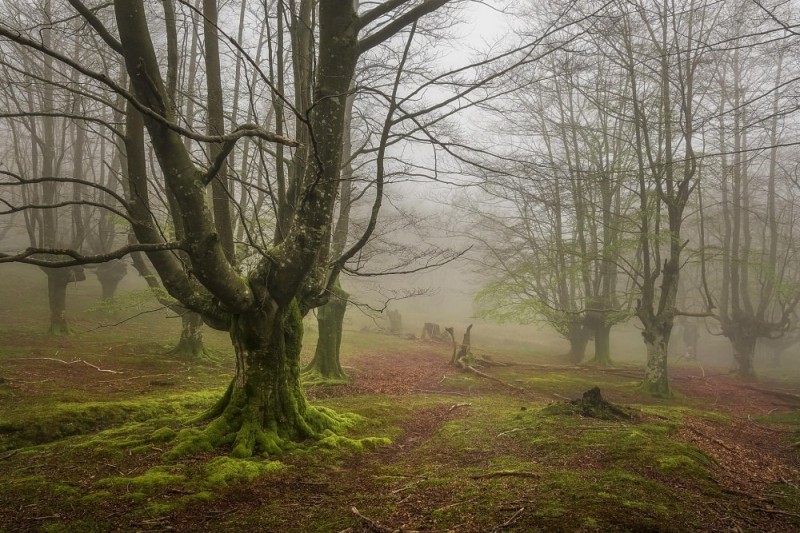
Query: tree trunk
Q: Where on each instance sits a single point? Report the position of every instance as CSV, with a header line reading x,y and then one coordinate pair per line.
x,y
744,346
656,376
602,345
190,346
57,281
578,338
264,410
109,275
330,320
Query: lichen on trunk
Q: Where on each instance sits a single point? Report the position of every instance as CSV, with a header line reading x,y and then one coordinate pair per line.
x,y
656,376
265,410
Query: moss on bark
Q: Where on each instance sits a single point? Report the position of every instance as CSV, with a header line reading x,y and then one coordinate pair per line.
x,y
264,410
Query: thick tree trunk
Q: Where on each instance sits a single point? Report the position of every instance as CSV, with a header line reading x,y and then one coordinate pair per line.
x,y
330,320
578,338
109,275
744,347
264,410
656,376
191,346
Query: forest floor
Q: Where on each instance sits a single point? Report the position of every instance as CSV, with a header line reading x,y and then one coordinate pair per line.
x,y
84,424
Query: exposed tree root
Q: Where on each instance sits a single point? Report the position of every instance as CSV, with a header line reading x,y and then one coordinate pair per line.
x,y
477,372
506,473
185,351
370,524
511,521
778,394
313,377
233,422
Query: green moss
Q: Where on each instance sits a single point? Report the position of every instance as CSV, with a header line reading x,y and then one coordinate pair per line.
x,y
224,471
148,483
339,442
40,424
163,434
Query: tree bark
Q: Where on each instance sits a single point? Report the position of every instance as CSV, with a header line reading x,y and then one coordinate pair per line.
x,y
602,345
656,376
264,410
109,275
57,282
191,346
578,338
743,337
330,321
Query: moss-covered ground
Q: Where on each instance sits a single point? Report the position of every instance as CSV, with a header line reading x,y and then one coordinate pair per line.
x,y
87,424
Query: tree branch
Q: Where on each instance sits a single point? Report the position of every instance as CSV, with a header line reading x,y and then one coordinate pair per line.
x,y
80,259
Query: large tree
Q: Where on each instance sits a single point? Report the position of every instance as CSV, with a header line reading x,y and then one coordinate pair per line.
x,y
264,407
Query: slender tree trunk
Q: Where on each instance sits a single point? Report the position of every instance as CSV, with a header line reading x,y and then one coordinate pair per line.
x,y
602,345
57,281
330,320
743,340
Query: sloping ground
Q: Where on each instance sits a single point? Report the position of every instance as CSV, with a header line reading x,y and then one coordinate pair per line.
x,y
467,453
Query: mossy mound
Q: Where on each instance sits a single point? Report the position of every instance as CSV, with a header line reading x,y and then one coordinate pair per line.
x,y
591,405
237,427
224,471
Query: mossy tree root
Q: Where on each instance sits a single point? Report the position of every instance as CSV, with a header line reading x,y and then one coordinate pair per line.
x,y
239,423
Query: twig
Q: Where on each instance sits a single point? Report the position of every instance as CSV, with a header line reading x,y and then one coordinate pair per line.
x,y
776,511
370,524
74,361
487,376
787,482
406,487
9,455
440,392
511,521
136,377
515,430
456,405
456,504
712,439
505,473
115,467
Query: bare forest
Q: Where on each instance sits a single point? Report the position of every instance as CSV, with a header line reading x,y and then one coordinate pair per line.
x,y
400,265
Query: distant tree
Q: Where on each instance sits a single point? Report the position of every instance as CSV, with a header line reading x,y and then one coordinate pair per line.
x,y
759,286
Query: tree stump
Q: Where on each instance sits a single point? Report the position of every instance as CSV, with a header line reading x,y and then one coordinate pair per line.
x,y
431,331
593,405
